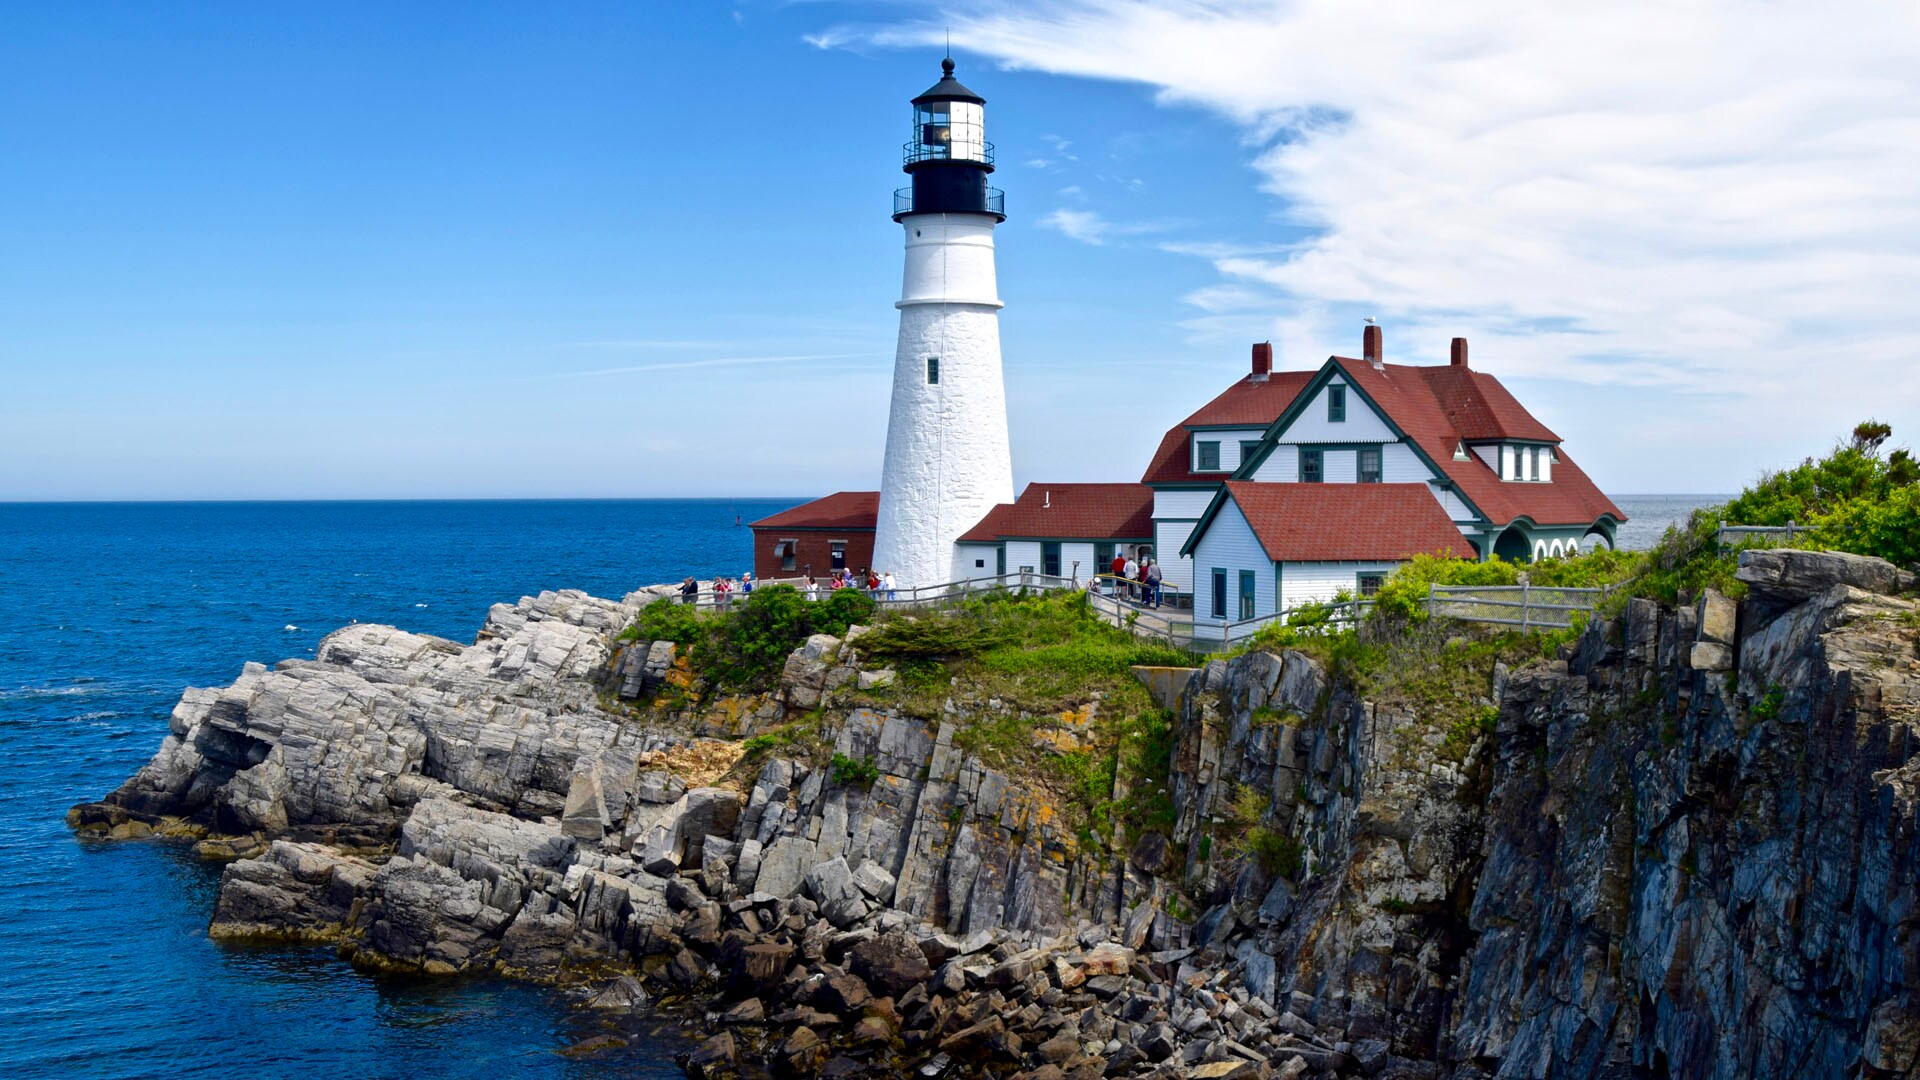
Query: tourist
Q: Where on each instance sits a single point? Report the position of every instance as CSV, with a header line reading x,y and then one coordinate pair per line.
x,y
813,588
746,583
689,591
836,584
890,587
1128,570
722,591
1117,568
873,584
1154,582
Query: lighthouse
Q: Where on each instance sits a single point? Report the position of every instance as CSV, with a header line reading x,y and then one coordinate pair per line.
x,y
947,462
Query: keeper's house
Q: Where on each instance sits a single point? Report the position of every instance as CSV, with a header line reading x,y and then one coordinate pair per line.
x,y
1289,487
1293,486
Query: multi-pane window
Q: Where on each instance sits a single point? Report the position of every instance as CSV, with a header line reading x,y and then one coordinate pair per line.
x,y
1369,465
787,551
1248,447
1336,404
1050,558
1369,584
1219,594
1313,467
1246,594
933,371
1209,453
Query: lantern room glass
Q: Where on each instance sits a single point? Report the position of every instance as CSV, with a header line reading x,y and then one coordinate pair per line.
x,y
949,130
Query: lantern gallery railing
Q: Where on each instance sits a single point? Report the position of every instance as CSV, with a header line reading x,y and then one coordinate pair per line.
x,y
978,150
994,203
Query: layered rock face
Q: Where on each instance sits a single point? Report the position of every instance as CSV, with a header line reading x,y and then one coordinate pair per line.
x,y
1685,848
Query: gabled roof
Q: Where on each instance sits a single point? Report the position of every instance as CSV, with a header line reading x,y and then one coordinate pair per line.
x,y
1479,408
1252,403
1406,396
853,510
1340,522
1070,512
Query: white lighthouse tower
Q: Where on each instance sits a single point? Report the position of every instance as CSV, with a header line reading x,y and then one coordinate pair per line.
x,y
947,461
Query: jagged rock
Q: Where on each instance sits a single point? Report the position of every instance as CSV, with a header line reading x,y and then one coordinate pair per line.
x,y
872,879
891,963
717,1057
303,890
1782,577
1718,618
1710,656
783,867
623,993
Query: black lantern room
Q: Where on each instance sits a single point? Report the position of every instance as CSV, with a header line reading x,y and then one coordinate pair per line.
x,y
949,156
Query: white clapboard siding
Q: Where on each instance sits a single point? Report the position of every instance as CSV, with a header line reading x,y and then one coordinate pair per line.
x,y
965,556
1361,425
1489,453
1023,553
1450,502
1188,505
1400,465
1229,440
1081,553
1230,544
1282,466
1176,570
1318,582
1340,466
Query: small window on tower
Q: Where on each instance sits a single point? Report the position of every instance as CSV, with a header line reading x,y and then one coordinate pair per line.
x,y
1336,404
933,371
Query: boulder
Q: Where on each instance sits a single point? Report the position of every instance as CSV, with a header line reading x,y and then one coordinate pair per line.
x,y
783,866
1783,577
891,963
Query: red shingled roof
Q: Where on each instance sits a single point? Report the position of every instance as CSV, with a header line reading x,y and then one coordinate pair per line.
x,y
840,510
1407,395
1347,522
1480,408
1070,512
1254,404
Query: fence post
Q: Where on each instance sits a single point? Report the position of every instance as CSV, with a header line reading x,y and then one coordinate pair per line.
x,y
1789,532
1526,605
1430,596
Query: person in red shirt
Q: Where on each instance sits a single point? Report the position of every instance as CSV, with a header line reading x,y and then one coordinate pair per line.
x,y
1118,569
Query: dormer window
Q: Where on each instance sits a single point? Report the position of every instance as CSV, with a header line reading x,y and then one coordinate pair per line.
x,y
1208,455
1336,404
1460,452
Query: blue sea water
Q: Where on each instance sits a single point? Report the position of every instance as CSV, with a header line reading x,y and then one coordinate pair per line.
x,y
106,612
109,610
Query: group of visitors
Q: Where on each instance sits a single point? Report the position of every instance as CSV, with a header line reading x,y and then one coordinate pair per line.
x,y
1137,580
877,585
723,589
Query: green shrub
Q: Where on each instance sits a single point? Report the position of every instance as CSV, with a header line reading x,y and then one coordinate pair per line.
x,y
854,772
667,620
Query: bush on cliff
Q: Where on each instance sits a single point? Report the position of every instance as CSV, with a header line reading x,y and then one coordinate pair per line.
x,y
745,648
1404,593
1855,499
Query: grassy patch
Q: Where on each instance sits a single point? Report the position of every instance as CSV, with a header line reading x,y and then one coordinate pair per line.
x,y
854,772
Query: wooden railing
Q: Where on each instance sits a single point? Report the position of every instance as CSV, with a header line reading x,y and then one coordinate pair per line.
x,y
1529,607
1761,532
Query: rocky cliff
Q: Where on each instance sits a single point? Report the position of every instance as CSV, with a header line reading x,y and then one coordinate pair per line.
x,y
1684,847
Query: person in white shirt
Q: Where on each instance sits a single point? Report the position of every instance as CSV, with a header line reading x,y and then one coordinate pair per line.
x,y
887,584
1132,570
813,588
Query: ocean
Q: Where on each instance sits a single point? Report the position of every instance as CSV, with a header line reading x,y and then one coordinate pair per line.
x,y
111,609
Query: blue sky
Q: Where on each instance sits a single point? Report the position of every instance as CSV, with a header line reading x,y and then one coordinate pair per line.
x,y
644,249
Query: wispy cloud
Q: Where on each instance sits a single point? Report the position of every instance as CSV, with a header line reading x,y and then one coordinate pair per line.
x,y
1713,194
1090,227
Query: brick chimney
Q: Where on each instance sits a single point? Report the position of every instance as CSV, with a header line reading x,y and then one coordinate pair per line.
x,y
1262,360
1459,352
1370,348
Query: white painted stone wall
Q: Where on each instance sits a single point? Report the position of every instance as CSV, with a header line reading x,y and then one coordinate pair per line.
x,y
947,460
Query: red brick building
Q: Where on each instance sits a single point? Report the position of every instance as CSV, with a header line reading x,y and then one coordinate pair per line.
x,y
817,538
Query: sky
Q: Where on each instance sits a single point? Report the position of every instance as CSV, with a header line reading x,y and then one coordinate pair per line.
x,y
644,249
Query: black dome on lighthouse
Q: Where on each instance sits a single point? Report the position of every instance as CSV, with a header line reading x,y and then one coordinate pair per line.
x,y
948,88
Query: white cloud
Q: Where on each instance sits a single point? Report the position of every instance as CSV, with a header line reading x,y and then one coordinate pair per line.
x,y
1710,196
1090,227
